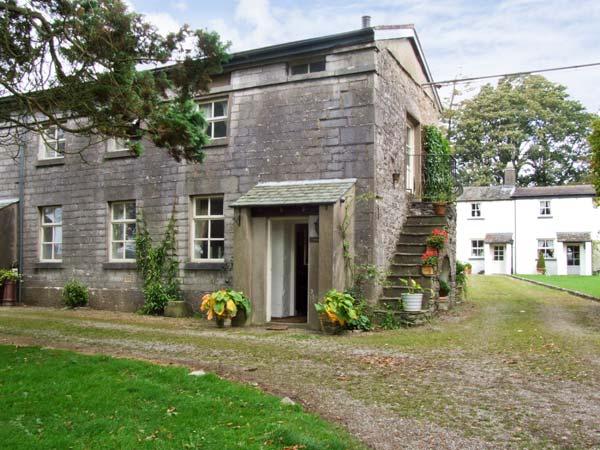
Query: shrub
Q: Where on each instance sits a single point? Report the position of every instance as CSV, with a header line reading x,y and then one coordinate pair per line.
x,y
224,304
75,294
9,275
461,275
439,181
541,263
342,309
444,289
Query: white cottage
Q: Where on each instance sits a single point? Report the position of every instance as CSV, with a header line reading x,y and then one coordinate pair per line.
x,y
502,229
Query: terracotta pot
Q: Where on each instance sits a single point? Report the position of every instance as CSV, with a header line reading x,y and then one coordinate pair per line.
x,y
433,250
328,327
439,209
9,294
240,318
427,270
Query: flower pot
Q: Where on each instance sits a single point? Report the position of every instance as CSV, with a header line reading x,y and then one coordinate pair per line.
x,y
412,302
443,303
431,250
222,322
541,271
427,270
439,209
240,318
9,293
329,327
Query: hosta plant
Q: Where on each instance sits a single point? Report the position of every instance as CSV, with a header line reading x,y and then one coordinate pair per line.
x,y
224,304
343,311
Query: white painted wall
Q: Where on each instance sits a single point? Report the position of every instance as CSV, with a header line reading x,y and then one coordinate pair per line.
x,y
569,214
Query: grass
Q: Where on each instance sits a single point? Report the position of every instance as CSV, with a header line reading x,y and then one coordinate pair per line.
x,y
586,284
60,399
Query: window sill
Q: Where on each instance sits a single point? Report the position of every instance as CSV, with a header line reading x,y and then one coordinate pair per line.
x,y
544,217
220,142
50,162
48,265
478,258
119,154
119,266
475,218
204,266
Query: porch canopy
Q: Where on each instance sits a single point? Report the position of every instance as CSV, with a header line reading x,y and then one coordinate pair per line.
x,y
305,192
498,238
574,237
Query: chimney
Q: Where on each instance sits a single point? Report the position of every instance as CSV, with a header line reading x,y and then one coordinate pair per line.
x,y
510,175
366,21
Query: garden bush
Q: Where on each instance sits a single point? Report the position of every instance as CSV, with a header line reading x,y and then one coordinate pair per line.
x,y
75,294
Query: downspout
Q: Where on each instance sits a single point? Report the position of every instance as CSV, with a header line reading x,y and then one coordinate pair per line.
x,y
21,215
514,267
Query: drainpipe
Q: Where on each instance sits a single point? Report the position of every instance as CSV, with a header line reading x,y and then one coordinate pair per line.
x,y
514,267
21,214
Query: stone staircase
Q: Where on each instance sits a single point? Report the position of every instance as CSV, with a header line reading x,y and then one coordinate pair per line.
x,y
407,264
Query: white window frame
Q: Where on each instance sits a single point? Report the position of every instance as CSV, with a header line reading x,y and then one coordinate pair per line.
x,y
114,145
542,246
545,208
209,218
210,131
45,147
476,210
54,226
308,65
499,251
123,222
410,157
476,250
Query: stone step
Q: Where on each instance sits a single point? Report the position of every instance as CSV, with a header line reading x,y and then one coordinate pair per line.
x,y
411,247
414,237
397,290
394,280
407,257
418,227
405,270
402,318
426,220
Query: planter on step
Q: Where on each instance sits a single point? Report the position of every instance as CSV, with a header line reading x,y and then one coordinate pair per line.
x,y
329,327
427,270
240,318
412,302
439,208
222,323
443,303
9,293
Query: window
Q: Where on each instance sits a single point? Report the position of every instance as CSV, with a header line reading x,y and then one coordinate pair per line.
x,y
410,158
309,67
475,210
208,232
545,208
51,233
215,113
498,252
122,231
546,246
52,143
477,248
118,145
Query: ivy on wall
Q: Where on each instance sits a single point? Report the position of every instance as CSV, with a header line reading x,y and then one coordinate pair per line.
x,y
439,181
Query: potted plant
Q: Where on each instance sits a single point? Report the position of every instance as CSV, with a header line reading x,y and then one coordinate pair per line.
x,y
336,311
9,279
224,305
412,300
541,264
429,261
461,280
437,239
468,268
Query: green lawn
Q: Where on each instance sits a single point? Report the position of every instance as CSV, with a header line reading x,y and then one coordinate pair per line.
x,y
58,399
588,285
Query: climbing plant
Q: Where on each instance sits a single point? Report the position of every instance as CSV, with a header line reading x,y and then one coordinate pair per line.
x,y
158,266
439,181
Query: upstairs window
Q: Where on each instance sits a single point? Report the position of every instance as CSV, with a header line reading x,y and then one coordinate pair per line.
x,y
308,67
118,145
410,158
477,248
51,234
475,210
545,210
52,143
122,231
208,233
546,246
215,113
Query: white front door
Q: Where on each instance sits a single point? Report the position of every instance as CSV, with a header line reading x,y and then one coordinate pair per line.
x,y
498,258
574,259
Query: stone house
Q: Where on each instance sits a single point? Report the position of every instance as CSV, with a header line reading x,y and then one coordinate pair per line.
x,y
299,131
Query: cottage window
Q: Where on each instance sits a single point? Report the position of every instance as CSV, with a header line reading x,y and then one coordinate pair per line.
x,y
498,252
52,143
51,233
475,210
546,247
308,67
208,233
477,248
215,113
118,145
545,208
122,231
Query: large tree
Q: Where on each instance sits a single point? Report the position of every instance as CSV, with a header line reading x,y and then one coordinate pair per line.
x,y
528,121
75,65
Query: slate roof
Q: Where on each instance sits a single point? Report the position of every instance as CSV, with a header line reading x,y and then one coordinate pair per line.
x,y
7,201
308,192
498,238
472,193
574,237
555,191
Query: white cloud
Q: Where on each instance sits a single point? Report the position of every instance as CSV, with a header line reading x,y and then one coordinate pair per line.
x,y
164,22
181,5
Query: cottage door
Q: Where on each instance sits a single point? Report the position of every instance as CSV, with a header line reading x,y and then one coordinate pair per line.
x,y
574,259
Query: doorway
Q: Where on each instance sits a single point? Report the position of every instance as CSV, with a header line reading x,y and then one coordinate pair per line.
x,y
574,259
287,298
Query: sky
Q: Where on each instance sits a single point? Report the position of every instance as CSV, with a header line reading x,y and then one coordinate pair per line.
x,y
460,38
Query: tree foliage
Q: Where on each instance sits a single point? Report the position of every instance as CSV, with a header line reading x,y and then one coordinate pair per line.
x,y
439,181
594,140
75,64
527,120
